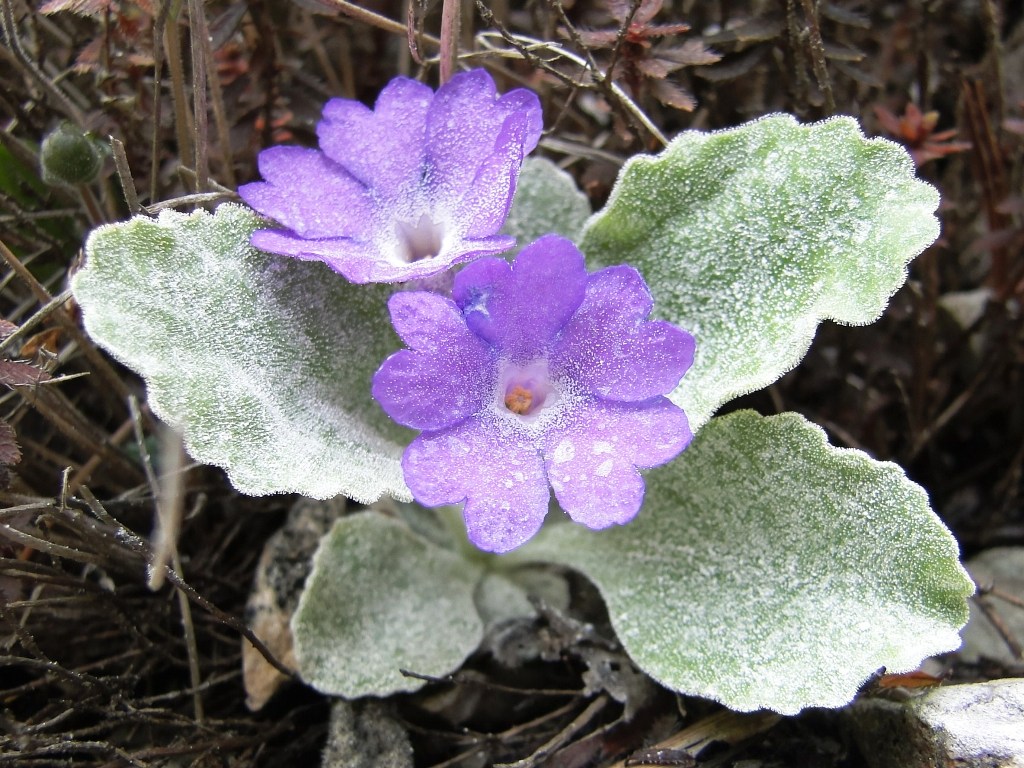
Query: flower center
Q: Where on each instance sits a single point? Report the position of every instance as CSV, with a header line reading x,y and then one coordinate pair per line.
x,y
525,390
421,240
518,399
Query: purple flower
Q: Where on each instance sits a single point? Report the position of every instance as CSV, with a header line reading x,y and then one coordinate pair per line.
x,y
404,191
536,374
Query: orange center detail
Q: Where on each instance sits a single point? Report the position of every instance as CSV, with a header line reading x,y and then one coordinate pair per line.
x,y
518,399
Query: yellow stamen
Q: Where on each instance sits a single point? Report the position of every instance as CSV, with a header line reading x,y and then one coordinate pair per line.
x,y
518,399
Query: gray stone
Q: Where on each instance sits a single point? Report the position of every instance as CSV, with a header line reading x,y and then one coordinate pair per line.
x,y
968,726
983,722
1002,568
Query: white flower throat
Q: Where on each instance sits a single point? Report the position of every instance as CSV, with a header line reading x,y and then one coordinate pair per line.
x,y
419,241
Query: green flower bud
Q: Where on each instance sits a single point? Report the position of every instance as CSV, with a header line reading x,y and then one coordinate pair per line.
x,y
70,157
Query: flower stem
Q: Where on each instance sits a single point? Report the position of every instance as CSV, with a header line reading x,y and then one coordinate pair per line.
x,y
450,17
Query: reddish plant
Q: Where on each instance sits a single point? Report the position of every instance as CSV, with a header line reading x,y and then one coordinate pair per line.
x,y
639,62
916,131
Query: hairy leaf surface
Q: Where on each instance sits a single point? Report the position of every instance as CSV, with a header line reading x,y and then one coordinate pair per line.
x,y
768,569
263,362
750,237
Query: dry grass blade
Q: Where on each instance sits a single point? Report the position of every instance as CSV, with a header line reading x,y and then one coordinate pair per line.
x,y
86,601
991,164
559,740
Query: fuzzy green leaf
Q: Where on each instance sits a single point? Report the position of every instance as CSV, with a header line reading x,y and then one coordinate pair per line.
x,y
381,599
263,362
750,237
768,569
547,200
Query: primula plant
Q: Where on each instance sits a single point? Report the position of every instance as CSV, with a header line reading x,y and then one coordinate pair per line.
x,y
756,565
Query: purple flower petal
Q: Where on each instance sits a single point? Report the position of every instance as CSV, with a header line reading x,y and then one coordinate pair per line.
x,y
443,377
520,308
359,262
509,374
500,478
485,205
383,148
481,246
341,254
410,204
466,123
591,463
287,243
337,205
610,349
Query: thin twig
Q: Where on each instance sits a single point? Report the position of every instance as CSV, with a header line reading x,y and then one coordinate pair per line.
x,y
230,621
520,49
50,213
61,101
51,548
466,678
993,25
413,33
561,738
524,47
574,36
348,74
605,80
817,47
450,13
196,199
53,405
91,205
991,167
942,420
796,50
168,504
139,545
1011,599
577,149
184,128
620,36
198,33
15,339
1004,632
86,681
212,682
313,36
42,295
159,23
376,20
116,438
124,175
216,96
